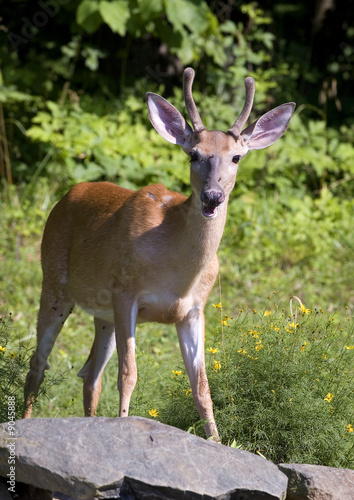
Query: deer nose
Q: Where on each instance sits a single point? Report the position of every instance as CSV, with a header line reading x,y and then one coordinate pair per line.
x,y
212,197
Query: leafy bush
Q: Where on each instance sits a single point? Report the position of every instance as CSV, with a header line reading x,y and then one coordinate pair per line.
x,y
13,365
281,386
14,359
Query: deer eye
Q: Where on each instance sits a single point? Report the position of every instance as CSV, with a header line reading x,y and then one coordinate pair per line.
x,y
193,155
236,158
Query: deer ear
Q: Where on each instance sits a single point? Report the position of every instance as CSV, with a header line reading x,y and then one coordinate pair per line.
x,y
269,127
167,120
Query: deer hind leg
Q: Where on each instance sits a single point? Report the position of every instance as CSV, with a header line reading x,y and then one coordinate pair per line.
x,y
54,309
125,314
101,352
191,338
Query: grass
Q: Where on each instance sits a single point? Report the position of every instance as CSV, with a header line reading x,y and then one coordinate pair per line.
x,y
268,385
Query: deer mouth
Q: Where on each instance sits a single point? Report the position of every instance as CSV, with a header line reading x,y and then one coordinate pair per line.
x,y
209,211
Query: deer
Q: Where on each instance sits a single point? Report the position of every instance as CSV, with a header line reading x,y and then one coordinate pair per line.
x,y
129,257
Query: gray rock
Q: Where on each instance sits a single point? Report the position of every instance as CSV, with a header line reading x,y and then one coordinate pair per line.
x,y
4,493
23,491
132,458
316,482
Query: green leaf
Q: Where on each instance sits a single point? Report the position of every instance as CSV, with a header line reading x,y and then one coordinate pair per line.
x,y
116,15
149,10
190,14
89,172
88,16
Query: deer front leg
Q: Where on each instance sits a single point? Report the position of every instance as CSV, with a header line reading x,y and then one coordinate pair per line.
x,y
125,314
191,338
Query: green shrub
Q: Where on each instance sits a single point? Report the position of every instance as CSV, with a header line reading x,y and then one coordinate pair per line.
x,y
281,386
14,360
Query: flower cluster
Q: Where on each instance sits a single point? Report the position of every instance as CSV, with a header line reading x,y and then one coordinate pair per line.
x,y
329,397
217,365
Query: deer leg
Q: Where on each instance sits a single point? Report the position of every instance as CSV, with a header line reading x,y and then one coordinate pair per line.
x,y
125,314
101,352
191,338
54,309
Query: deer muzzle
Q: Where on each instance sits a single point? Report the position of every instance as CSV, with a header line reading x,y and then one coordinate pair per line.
x,y
212,195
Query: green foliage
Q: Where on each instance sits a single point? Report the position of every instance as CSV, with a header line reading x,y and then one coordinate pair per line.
x,y
226,49
90,15
281,386
183,24
277,241
116,146
14,359
13,366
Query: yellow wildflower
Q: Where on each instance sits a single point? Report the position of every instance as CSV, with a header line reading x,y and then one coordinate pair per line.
x,y
242,351
224,322
350,428
293,324
2,349
217,365
177,372
349,346
213,351
267,313
254,311
329,397
187,392
153,413
259,346
217,306
304,310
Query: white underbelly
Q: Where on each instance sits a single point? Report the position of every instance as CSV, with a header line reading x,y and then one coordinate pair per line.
x,y
150,307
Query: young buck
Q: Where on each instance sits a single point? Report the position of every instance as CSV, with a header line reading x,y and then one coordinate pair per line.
x,y
130,257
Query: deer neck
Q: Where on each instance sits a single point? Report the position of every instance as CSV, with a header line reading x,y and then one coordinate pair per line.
x,y
199,238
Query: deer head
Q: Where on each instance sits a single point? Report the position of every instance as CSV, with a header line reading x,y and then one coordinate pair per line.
x,y
215,155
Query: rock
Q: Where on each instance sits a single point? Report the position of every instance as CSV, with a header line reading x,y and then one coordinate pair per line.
x,y
316,482
4,493
23,492
61,496
132,458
